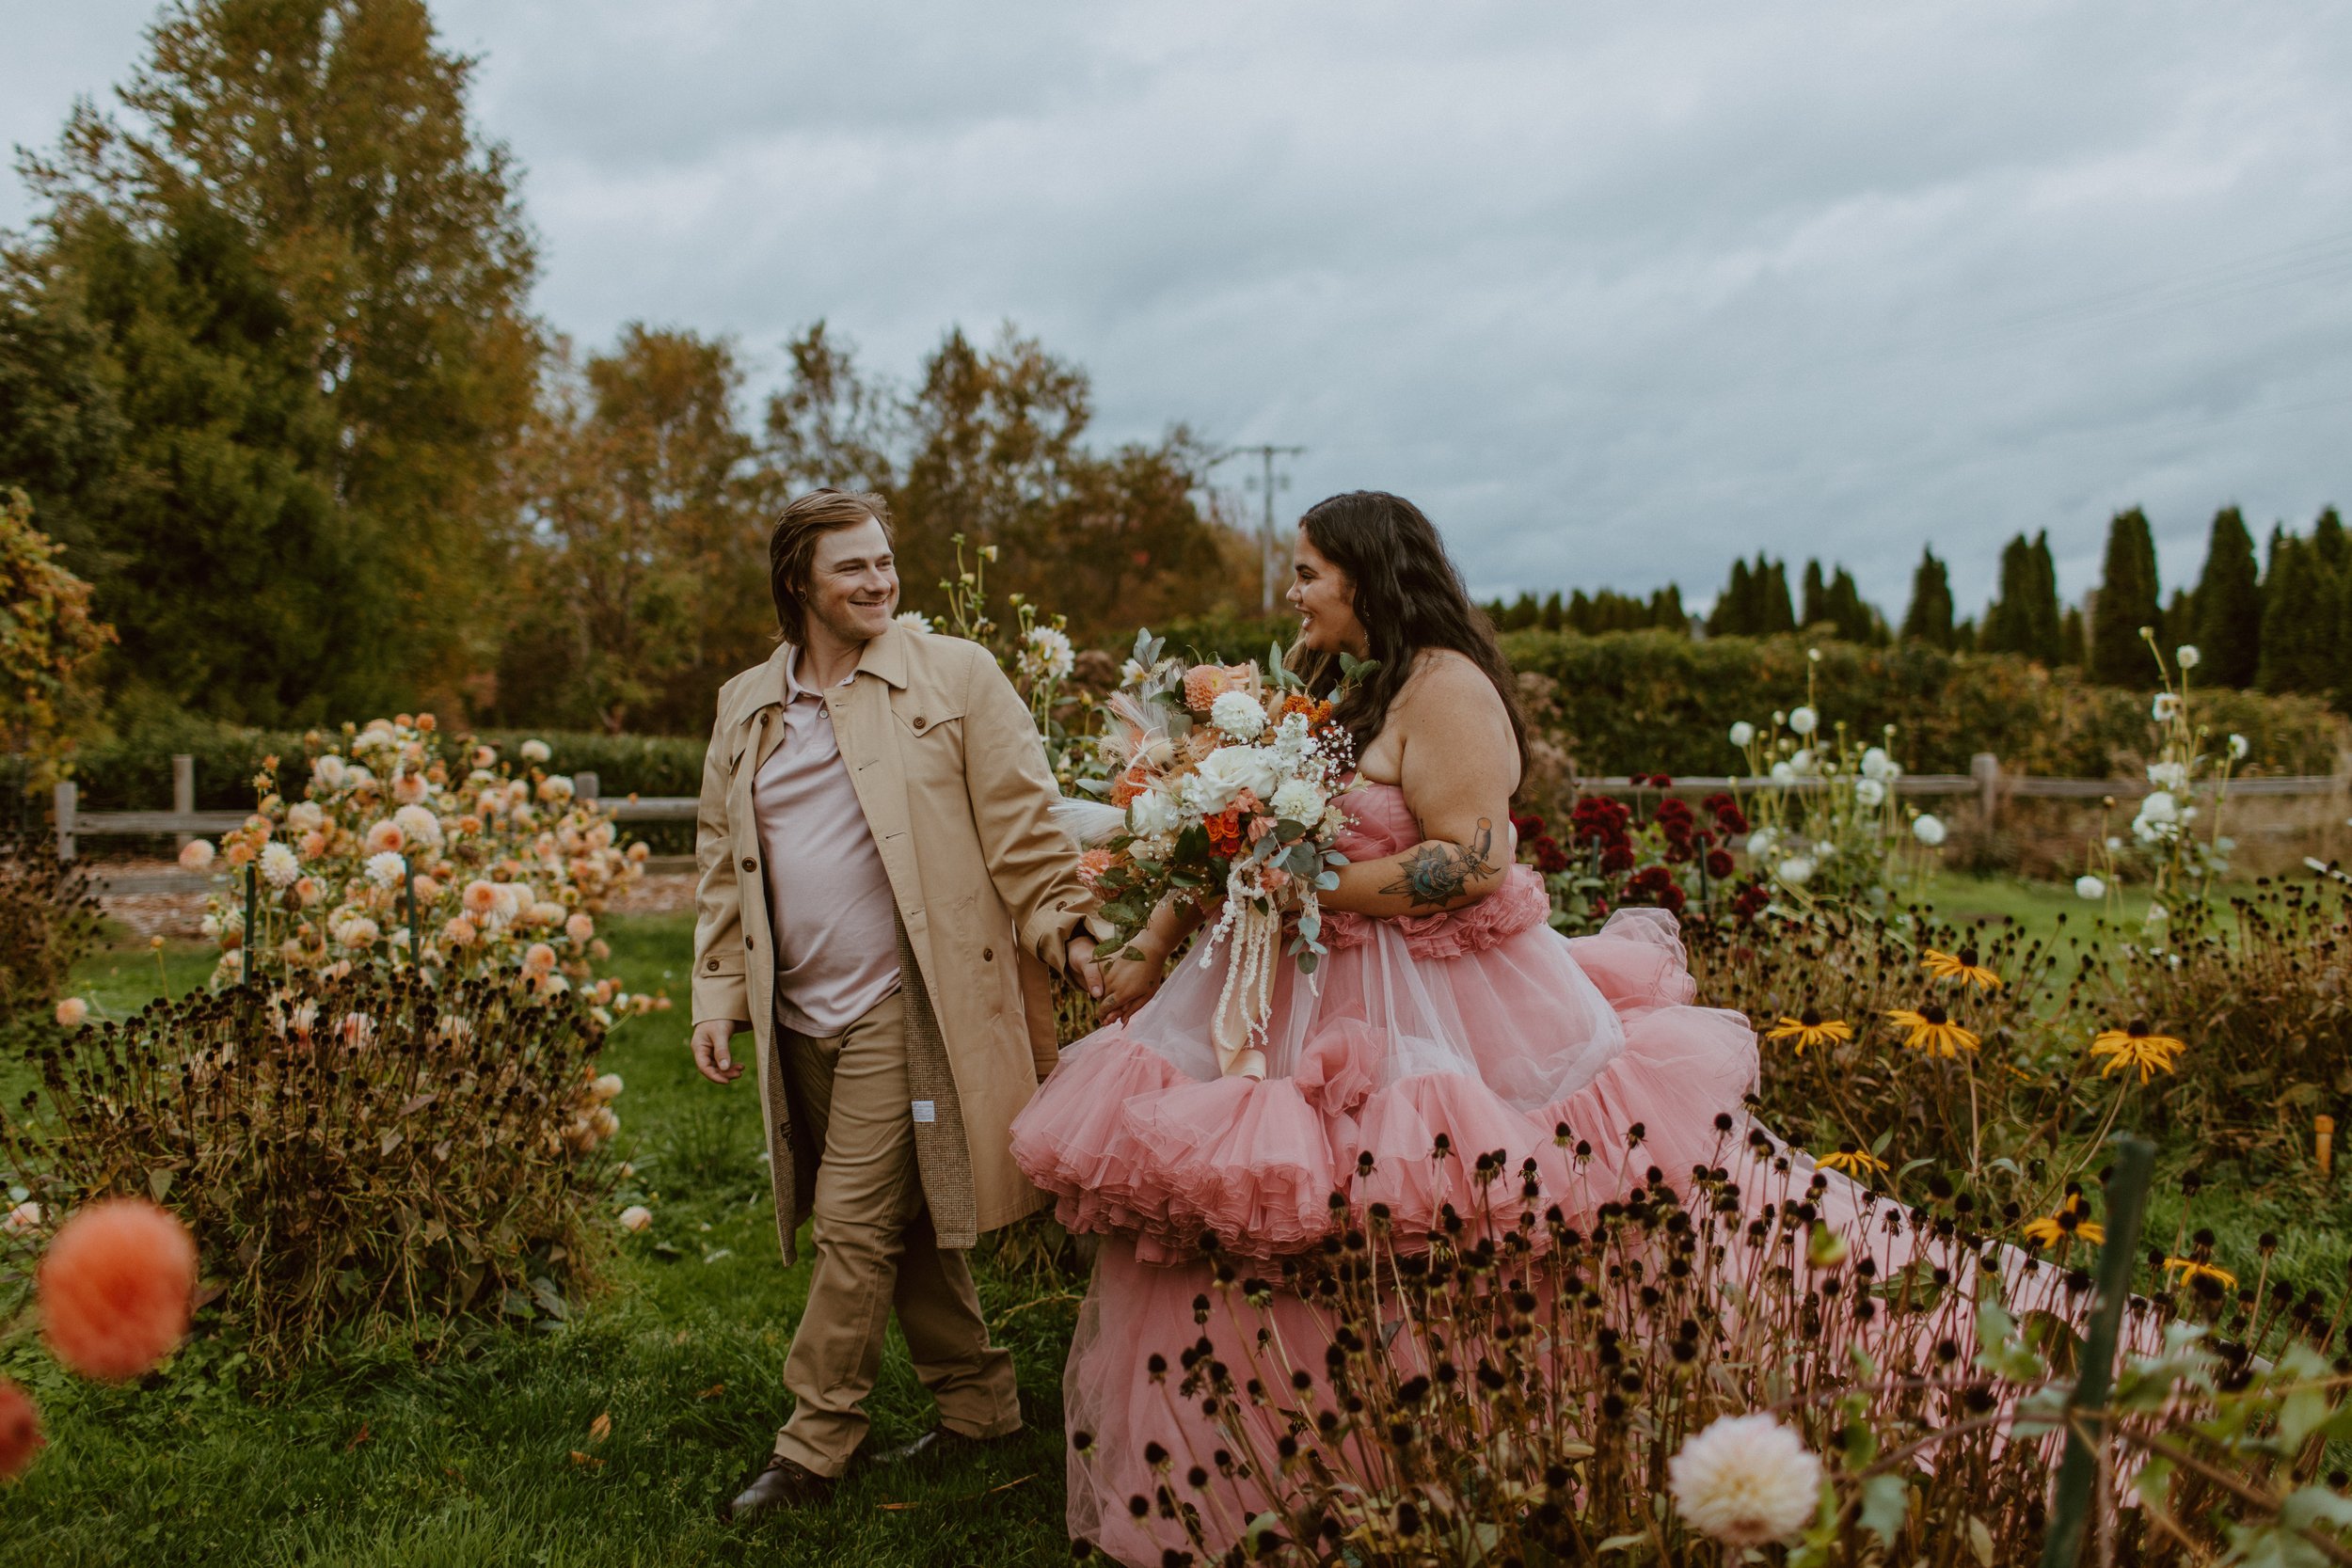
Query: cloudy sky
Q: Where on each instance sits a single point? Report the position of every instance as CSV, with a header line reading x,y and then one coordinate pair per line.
x,y
1615,292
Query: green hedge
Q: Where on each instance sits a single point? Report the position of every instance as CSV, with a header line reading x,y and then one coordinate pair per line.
x,y
1636,701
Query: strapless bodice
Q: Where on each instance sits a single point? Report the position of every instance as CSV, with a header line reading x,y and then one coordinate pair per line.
x,y
1379,824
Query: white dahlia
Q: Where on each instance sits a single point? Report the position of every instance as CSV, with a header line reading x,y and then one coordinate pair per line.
x,y
387,870
280,866
1928,828
1746,1480
1238,715
536,751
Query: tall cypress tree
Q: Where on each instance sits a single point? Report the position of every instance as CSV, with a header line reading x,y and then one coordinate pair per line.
x,y
2299,607
1774,613
2024,618
1733,610
2127,601
1929,618
1816,597
2230,604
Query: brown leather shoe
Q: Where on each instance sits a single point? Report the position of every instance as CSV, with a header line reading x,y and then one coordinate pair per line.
x,y
939,1441
783,1485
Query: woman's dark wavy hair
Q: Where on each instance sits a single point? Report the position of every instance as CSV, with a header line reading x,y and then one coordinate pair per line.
x,y
1408,598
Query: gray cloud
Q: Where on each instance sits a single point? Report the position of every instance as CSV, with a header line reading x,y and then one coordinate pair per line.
x,y
1616,295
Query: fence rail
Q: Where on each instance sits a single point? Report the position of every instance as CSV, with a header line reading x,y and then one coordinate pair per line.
x,y
1985,780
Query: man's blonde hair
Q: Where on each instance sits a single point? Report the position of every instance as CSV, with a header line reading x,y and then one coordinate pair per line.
x,y
792,548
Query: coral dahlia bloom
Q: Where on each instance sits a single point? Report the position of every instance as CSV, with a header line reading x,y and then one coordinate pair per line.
x,y
115,1288
1205,682
480,899
579,927
539,958
1746,1480
384,837
20,1431
197,854
71,1012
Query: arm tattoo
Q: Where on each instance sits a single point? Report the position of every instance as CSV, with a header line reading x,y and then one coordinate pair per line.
x,y
1437,875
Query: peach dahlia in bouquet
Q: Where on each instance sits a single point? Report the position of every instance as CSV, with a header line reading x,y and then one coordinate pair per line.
x,y
1223,783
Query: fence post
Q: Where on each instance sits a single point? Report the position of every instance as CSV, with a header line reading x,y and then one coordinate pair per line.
x,y
182,791
68,793
1986,768
584,787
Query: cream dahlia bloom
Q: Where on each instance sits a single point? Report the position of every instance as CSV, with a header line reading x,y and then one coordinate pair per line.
x,y
388,869
536,751
330,772
419,824
636,1217
385,836
607,1088
197,854
1239,715
280,866
71,1012
538,958
579,927
1746,1480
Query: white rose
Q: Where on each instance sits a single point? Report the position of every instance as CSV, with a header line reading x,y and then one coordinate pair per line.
x,y
1804,761
1298,801
1870,792
2160,807
1742,734
1782,770
1928,828
1796,871
1225,772
2088,886
1876,764
1760,843
328,772
1804,720
1238,715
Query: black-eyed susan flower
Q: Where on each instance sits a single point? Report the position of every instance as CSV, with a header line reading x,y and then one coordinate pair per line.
x,y
2073,1222
2191,1270
1930,1029
2135,1046
1852,1161
1809,1028
1961,966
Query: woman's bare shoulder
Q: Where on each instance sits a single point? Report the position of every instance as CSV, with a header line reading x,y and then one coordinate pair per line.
x,y
1442,679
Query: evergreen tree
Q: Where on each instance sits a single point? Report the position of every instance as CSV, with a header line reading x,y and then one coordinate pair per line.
x,y
2072,649
1773,610
2301,602
2328,540
1522,614
2229,604
1666,612
1733,614
2127,601
1856,619
1554,616
1816,599
265,353
2025,619
1929,618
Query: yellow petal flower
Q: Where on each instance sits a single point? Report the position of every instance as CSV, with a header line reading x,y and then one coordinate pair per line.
x,y
1961,966
1809,1028
1930,1029
2134,1046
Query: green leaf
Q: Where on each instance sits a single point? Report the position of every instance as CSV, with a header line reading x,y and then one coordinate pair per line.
x,y
1885,1501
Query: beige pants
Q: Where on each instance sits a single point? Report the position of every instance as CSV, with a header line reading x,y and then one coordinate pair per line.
x,y
874,1252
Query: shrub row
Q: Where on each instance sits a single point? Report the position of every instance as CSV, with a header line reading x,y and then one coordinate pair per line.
x,y
1634,701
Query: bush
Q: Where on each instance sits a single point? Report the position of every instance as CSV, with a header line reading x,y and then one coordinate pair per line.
x,y
375,1152
494,870
1641,702
48,920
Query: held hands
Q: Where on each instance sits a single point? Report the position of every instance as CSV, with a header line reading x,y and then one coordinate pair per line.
x,y
1130,977
711,1058
1083,967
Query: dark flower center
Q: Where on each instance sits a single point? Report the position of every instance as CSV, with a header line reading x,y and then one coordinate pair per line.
x,y
1935,1015
2137,1028
1968,957
1810,1018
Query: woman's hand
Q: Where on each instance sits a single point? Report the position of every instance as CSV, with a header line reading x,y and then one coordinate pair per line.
x,y
1130,976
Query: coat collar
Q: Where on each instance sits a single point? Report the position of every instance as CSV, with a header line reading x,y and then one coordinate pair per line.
x,y
884,657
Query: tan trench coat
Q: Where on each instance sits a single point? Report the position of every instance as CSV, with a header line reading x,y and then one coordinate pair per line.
x,y
947,765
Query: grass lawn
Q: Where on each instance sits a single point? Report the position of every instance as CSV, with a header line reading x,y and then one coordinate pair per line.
x,y
468,1456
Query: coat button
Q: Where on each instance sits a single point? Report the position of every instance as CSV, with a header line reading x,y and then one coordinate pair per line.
x,y
750,864
987,954
713,966
749,942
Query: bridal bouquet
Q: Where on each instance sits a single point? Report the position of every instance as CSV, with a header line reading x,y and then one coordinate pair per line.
x,y
1222,780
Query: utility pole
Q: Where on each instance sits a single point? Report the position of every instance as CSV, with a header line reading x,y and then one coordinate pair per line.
x,y
1266,483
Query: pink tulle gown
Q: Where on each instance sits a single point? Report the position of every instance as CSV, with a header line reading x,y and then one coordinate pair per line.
x,y
1483,1027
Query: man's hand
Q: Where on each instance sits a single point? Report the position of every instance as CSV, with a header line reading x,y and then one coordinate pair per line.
x,y
1130,977
711,1056
1083,968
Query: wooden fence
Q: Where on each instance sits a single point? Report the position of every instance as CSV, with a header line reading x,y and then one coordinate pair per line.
x,y
1985,783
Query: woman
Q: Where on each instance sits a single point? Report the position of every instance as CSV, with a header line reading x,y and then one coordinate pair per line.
x,y
1448,1015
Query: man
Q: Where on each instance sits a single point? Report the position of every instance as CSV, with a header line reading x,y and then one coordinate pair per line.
x,y
878,867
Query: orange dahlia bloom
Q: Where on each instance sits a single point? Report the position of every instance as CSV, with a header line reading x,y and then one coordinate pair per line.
x,y
1091,865
116,1287
20,1431
1205,682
